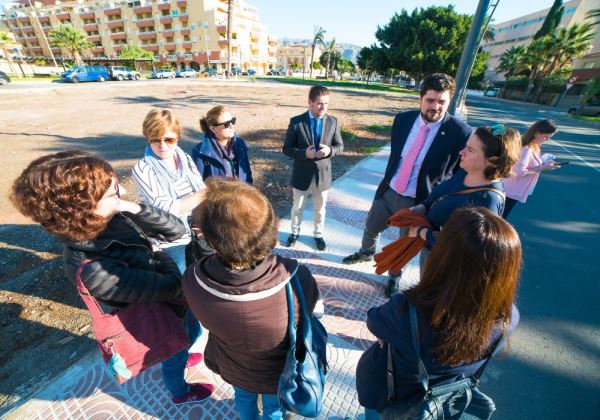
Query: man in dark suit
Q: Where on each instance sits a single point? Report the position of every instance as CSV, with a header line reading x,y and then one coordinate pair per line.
x,y
312,139
425,151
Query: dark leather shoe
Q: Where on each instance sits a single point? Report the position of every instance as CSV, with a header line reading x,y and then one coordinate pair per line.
x,y
321,246
357,257
291,240
393,286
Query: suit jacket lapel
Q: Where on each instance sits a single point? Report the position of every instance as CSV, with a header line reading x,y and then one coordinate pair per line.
x,y
324,133
308,129
439,137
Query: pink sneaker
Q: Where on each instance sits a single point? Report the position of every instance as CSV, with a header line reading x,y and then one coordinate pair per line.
x,y
197,393
194,359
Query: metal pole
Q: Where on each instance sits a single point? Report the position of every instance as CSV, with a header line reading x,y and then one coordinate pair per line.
x,y
303,60
43,35
468,55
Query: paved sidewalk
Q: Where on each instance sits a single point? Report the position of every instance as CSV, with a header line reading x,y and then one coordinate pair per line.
x,y
86,391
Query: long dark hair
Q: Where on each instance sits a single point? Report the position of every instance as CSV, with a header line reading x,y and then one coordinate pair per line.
x,y
541,126
469,283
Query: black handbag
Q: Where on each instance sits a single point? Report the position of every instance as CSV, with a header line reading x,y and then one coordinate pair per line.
x,y
302,382
449,400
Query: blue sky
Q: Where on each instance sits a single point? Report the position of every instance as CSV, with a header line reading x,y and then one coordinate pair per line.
x,y
355,21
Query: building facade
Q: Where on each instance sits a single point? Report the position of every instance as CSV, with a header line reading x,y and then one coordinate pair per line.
x,y
183,33
290,54
520,31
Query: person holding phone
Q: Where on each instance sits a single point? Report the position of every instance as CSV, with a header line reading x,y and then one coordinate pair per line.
x,y
531,164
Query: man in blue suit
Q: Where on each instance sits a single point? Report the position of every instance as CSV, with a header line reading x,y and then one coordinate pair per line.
x,y
425,151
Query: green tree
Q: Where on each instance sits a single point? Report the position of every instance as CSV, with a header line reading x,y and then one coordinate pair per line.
x,y
512,61
592,90
316,65
552,20
592,14
426,41
7,41
318,38
328,57
346,66
364,60
73,39
295,66
133,52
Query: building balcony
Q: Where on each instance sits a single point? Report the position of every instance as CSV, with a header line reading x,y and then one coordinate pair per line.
x,y
181,3
47,30
171,57
168,33
166,19
142,9
90,27
12,21
118,35
147,35
150,47
23,19
144,22
94,38
55,50
63,16
170,46
184,31
118,23
222,29
112,12
43,19
87,15
35,48
119,47
187,44
183,18
188,57
28,30
223,43
97,50
164,5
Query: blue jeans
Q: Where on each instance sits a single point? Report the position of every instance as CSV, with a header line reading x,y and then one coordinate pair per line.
x,y
245,402
371,414
177,253
173,368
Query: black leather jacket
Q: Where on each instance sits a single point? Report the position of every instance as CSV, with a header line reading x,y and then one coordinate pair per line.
x,y
127,270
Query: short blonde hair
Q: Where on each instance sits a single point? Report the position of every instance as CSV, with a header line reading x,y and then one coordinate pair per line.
x,y
158,122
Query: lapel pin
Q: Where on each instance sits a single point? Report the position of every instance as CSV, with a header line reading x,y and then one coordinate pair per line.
x,y
443,133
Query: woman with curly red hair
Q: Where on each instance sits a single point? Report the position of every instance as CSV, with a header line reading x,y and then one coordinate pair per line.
x,y
75,196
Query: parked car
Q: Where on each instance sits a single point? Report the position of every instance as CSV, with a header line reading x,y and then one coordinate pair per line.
x,y
276,72
187,73
163,74
492,92
4,79
591,108
236,71
78,74
122,72
251,72
210,71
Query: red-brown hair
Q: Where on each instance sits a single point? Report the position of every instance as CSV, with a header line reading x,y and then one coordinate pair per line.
x,y
60,191
469,283
238,221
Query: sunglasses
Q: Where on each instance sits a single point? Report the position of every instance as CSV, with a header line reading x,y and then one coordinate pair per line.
x,y
227,124
117,193
169,140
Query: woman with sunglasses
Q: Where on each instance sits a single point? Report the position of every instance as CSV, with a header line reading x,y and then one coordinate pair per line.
x,y
75,196
530,165
221,153
486,159
166,176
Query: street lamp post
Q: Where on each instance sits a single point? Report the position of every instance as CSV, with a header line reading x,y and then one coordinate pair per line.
x,y
205,27
303,60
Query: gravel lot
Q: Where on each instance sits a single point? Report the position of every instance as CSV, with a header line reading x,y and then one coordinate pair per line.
x,y
44,326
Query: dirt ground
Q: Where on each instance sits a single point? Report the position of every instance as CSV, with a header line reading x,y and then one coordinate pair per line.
x,y
44,326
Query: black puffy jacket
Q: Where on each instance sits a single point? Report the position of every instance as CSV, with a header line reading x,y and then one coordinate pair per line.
x,y
127,270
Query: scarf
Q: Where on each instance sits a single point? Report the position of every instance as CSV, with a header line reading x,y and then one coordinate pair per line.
x,y
166,175
225,155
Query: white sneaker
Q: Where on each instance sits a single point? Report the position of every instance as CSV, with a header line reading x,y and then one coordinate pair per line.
x,y
319,311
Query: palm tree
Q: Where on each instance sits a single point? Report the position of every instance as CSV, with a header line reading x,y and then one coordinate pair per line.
x,y
512,61
73,39
569,43
594,13
329,50
229,18
318,38
7,40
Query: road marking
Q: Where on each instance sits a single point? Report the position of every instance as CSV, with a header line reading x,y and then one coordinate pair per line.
x,y
577,156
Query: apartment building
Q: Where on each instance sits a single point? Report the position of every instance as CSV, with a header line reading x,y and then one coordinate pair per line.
x,y
520,31
288,54
184,33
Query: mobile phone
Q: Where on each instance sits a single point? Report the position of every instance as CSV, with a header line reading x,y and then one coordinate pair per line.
x,y
563,163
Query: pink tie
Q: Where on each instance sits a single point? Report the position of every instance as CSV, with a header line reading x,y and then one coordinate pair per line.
x,y
408,162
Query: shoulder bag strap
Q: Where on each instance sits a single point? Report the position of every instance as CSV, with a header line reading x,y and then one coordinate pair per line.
x,y
469,191
414,328
307,330
88,299
290,304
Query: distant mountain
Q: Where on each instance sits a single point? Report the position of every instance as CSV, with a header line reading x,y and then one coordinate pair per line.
x,y
349,51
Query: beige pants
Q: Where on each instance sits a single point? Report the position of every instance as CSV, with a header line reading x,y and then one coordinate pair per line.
x,y
319,199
